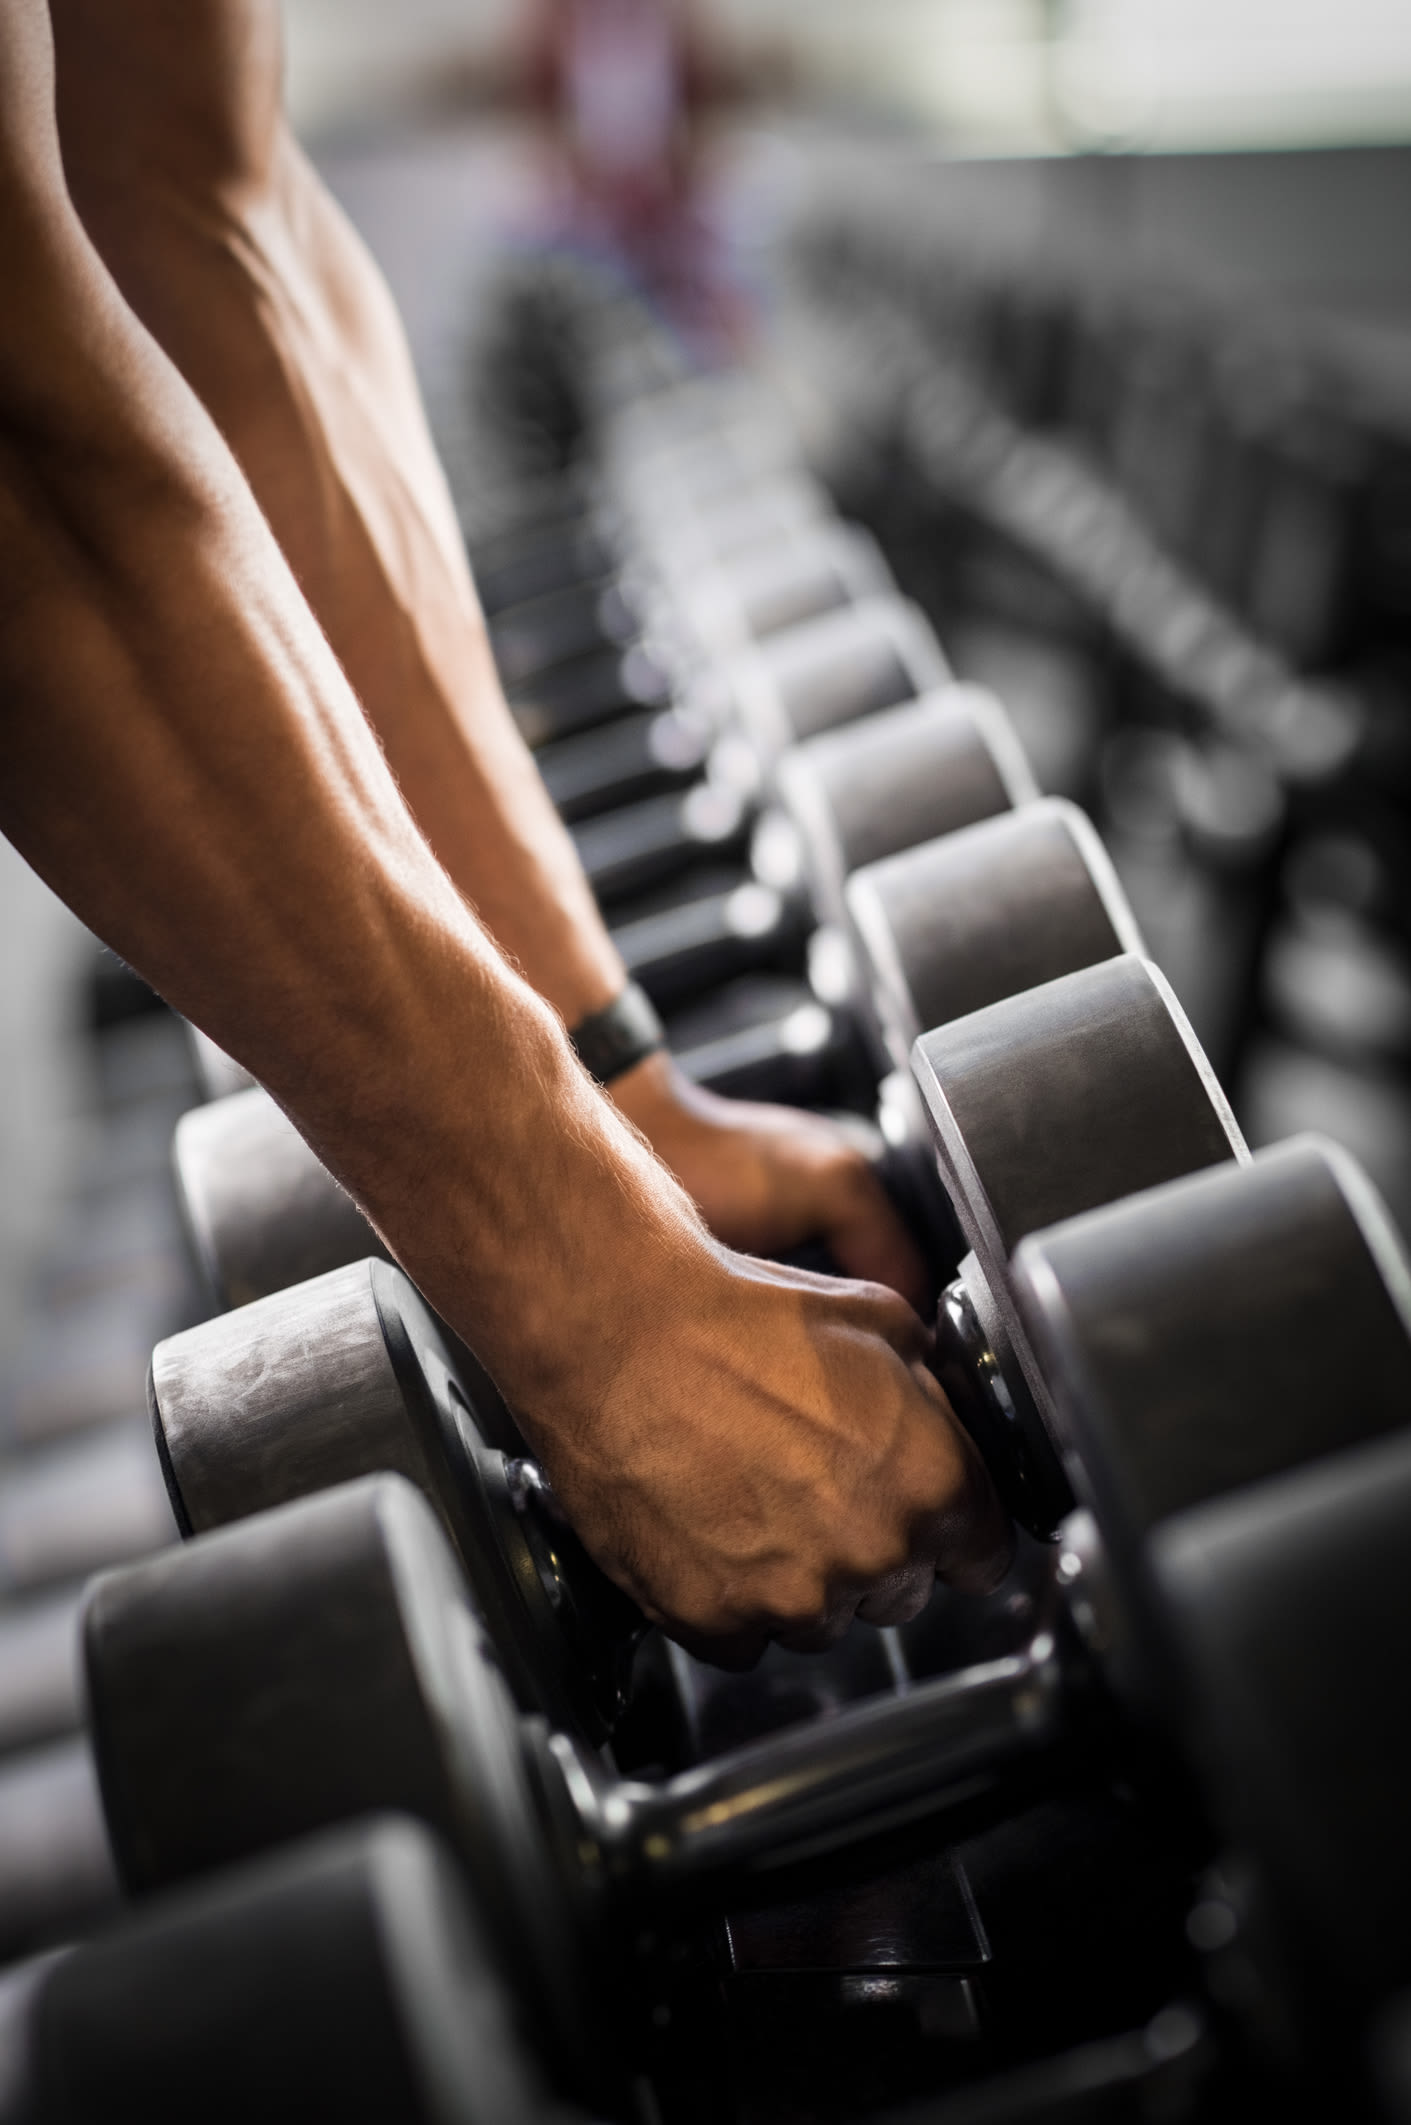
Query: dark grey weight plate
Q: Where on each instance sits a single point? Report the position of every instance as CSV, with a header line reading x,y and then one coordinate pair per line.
x,y
896,780
305,1668
1059,1099
948,927
345,1978
261,1209
786,584
1213,1332
1290,1606
849,663
351,1374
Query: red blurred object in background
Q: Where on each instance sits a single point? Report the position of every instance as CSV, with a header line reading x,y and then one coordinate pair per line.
x,y
622,86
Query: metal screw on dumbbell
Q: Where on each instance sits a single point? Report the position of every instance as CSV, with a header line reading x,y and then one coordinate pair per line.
x,y
221,1724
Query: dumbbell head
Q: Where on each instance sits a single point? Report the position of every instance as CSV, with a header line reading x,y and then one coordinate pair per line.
x,y
849,663
1205,1335
296,1668
300,1670
1047,1104
349,1374
1287,1605
947,927
347,1977
321,1658
261,1210
737,526
1230,1362
897,780
737,601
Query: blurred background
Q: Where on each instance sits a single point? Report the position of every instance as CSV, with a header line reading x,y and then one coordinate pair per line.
x,y
1141,267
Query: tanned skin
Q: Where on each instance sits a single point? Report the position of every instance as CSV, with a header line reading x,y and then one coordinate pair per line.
x,y
229,248
751,1451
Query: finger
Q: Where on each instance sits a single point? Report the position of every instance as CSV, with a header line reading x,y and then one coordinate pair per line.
x,y
869,1240
972,1541
900,1598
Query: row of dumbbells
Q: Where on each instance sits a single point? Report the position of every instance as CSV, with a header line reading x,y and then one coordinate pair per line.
x,y
97,1500
963,1305
92,1501
1200,1387
1263,456
1257,813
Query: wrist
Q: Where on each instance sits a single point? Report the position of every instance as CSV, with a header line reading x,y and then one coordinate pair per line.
x,y
613,1042
535,1219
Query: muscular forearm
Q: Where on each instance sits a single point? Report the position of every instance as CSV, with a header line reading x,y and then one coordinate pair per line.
x,y
252,281
184,760
186,764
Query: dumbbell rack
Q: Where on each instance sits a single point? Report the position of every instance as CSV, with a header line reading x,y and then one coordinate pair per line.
x,y
1056,1924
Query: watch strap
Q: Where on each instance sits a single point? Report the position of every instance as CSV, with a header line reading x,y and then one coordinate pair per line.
x,y
614,1040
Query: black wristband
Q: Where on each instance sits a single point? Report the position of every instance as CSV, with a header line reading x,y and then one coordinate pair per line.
x,y
614,1040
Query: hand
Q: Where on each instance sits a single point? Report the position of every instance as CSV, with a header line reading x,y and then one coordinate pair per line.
x,y
769,1457
766,1179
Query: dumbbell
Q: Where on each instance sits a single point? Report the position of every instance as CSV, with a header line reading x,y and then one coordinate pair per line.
x,y
1016,900
264,1213
347,1977
721,605
576,656
1099,1088
323,1658
639,752
827,671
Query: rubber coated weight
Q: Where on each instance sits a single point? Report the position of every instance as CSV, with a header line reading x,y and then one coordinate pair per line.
x,y
1206,1336
1068,1095
323,1659
350,1374
731,604
239,1159
846,664
1052,1102
346,1978
1004,905
1287,1605
189,1643
900,779
357,1592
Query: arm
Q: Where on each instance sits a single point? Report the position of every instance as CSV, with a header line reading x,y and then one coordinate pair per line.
x,y
228,247
186,764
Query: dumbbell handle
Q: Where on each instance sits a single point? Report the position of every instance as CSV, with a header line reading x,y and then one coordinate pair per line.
x,y
830,1784
628,850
